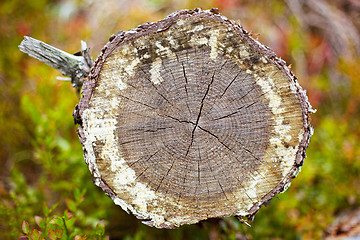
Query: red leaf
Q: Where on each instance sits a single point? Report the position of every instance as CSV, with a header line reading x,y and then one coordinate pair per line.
x,y
59,232
100,228
25,227
52,234
35,234
39,220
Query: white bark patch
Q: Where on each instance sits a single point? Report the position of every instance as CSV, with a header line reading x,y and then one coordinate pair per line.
x,y
161,51
256,179
114,78
197,28
281,131
263,59
130,67
156,77
124,176
203,41
146,56
177,221
89,151
173,42
213,42
180,22
244,54
101,127
124,66
143,196
229,50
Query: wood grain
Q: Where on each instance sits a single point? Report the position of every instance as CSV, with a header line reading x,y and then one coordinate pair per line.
x,y
190,118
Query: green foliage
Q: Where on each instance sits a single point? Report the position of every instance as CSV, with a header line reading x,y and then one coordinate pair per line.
x,y
41,157
51,226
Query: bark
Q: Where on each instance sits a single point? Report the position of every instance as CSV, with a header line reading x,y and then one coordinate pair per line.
x,y
190,118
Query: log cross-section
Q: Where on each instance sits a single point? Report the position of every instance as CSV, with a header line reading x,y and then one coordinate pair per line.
x,y
190,118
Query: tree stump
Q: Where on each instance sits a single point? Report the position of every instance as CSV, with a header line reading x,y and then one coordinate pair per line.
x,y
190,118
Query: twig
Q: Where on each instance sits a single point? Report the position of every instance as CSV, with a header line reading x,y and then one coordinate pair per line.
x,y
76,66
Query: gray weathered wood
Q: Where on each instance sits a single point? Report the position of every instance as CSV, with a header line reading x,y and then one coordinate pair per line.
x,y
190,118
75,67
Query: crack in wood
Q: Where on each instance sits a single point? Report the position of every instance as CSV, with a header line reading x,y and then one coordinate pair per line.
x,y
247,106
156,89
227,87
205,130
201,106
151,156
185,86
167,173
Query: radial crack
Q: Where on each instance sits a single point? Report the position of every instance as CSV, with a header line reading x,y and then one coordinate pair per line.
x,y
161,115
186,90
222,190
227,87
151,156
162,179
156,89
230,114
199,114
215,137
147,105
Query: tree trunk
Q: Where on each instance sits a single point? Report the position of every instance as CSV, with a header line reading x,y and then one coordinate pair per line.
x,y
190,118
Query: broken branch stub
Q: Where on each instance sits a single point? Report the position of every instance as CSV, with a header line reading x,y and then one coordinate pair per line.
x,y
190,118
76,66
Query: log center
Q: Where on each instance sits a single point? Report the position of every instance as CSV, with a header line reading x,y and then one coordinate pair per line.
x,y
191,126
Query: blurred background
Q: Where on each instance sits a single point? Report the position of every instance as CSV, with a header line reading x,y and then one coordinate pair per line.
x,y
41,158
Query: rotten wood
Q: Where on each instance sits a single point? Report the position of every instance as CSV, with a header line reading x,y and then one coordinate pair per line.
x,y
190,118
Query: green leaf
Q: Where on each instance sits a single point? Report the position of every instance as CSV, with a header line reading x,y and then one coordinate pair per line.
x,y
25,227
53,207
70,223
100,228
46,209
71,205
56,221
59,232
40,221
52,234
35,234
79,196
68,215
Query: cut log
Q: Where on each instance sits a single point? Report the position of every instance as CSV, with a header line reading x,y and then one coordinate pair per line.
x,y
190,118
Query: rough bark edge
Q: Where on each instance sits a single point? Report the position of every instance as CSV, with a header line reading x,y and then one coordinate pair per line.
x,y
162,25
